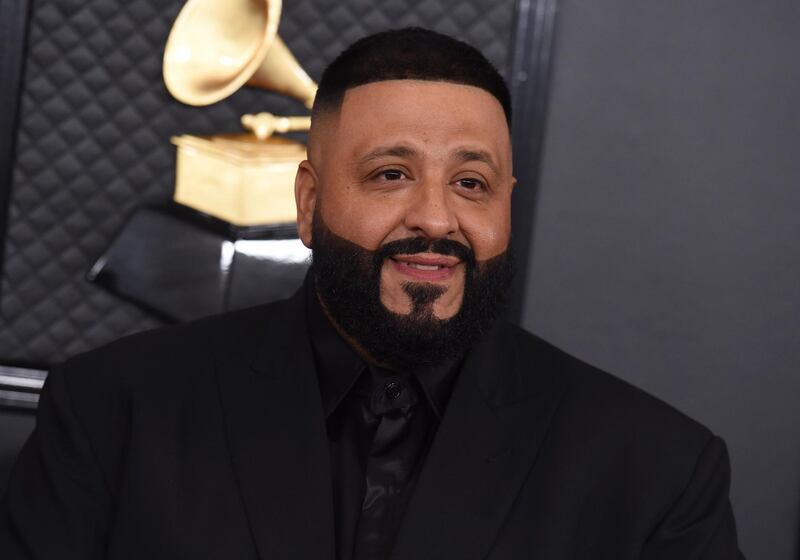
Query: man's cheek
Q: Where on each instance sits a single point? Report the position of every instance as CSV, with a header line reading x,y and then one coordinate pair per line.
x,y
393,297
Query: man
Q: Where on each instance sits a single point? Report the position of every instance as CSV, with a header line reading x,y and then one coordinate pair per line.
x,y
382,412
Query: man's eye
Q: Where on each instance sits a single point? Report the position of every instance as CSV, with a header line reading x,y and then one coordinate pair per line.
x,y
471,184
391,175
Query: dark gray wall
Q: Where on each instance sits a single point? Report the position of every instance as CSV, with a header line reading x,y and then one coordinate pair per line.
x,y
667,240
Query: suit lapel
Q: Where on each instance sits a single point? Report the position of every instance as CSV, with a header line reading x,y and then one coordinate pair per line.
x,y
487,443
276,432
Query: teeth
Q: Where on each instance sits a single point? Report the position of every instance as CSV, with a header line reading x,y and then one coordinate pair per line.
x,y
424,266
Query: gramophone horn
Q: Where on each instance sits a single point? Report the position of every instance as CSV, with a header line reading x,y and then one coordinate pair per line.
x,y
217,46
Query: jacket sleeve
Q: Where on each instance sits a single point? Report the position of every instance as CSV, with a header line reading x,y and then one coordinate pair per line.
x,y
58,502
700,524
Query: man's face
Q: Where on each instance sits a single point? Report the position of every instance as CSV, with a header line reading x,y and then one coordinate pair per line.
x,y
412,159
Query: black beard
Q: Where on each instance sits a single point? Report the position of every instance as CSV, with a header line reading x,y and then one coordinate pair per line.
x,y
347,281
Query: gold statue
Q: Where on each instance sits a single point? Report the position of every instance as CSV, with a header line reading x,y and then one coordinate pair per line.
x,y
216,47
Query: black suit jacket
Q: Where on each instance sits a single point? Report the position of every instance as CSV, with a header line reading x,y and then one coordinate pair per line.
x,y
208,441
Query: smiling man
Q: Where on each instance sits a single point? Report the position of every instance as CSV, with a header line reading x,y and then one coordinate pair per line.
x,y
384,411
405,201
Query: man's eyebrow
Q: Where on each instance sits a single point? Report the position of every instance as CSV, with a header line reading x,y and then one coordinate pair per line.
x,y
383,151
466,155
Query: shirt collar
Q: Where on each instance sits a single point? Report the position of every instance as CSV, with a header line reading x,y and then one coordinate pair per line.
x,y
437,384
339,366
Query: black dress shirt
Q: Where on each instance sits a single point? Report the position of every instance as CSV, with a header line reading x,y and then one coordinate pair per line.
x,y
347,384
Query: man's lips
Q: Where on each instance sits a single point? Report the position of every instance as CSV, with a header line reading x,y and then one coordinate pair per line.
x,y
425,266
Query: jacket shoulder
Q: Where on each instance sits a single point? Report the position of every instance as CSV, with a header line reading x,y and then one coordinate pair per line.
x,y
605,401
169,355
632,457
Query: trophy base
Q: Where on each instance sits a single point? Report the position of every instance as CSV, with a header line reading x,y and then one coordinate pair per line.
x,y
237,177
180,264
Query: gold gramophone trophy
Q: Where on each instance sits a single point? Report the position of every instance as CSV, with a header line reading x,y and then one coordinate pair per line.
x,y
216,47
231,239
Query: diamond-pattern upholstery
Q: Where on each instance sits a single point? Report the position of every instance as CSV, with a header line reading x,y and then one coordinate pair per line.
x,y
93,142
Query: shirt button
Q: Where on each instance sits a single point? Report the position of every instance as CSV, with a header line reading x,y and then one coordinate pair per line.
x,y
393,390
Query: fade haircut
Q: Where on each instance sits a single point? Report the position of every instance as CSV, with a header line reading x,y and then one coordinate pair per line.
x,y
411,53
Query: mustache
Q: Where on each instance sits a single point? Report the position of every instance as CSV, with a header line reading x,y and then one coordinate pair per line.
x,y
413,245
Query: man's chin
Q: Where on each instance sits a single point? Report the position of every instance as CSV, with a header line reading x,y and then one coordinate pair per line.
x,y
402,305
407,311
406,296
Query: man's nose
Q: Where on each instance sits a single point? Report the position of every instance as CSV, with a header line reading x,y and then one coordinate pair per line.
x,y
430,212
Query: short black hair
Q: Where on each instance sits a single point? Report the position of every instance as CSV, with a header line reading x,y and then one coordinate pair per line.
x,y
411,53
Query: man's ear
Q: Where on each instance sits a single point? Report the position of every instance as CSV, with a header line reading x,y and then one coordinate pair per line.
x,y
305,196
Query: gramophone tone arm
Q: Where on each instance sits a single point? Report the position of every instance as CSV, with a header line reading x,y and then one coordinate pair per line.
x,y
263,125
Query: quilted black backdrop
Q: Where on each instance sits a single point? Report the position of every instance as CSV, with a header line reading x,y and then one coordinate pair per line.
x,y
93,142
